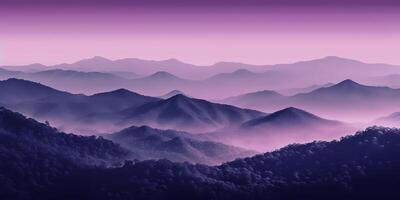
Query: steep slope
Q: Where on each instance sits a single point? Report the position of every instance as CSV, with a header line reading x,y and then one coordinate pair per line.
x,y
184,113
175,146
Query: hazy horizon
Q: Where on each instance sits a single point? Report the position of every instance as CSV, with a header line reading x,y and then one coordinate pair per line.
x,y
255,32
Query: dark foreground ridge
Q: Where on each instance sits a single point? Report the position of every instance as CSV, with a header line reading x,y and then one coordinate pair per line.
x,y
41,163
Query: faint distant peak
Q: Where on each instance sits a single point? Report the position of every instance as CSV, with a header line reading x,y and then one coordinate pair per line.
x,y
242,72
94,60
264,93
231,64
336,59
162,75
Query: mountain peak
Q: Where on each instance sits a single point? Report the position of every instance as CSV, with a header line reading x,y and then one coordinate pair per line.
x,y
93,61
263,93
336,59
172,60
119,92
171,94
99,58
348,83
178,97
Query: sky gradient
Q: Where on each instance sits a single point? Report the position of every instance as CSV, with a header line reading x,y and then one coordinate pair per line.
x,y
199,32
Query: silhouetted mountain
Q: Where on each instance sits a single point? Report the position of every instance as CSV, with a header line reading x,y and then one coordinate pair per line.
x,y
175,146
363,166
184,113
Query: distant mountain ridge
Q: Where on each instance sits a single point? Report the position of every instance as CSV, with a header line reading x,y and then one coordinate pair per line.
x,y
211,82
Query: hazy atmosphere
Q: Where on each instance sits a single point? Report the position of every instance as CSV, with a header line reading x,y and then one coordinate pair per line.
x,y
212,99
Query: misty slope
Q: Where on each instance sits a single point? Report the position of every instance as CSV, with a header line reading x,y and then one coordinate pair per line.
x,y
363,166
175,146
183,113
6,74
392,120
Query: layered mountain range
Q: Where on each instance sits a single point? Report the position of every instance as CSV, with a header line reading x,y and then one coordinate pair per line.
x,y
156,78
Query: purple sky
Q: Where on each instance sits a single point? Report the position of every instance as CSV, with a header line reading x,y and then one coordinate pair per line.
x,y
200,32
